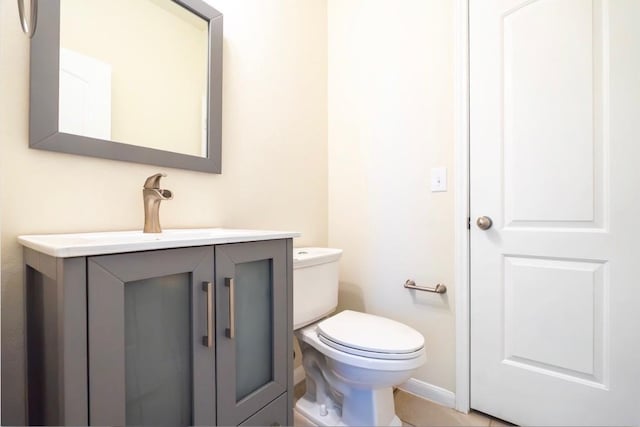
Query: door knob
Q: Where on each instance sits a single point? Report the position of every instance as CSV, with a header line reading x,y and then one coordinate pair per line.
x,y
484,222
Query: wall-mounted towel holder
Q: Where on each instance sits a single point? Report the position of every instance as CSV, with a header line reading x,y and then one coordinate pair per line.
x,y
438,289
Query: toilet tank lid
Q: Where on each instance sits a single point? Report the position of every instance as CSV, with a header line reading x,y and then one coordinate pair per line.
x,y
306,257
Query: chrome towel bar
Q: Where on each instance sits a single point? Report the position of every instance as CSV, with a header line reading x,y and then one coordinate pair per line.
x,y
438,289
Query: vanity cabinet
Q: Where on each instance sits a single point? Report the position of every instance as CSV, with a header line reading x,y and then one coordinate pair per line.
x,y
186,336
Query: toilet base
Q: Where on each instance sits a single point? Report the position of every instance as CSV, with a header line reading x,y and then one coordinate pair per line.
x,y
307,413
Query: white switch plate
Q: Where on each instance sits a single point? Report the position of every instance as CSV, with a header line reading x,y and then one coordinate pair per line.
x,y
438,179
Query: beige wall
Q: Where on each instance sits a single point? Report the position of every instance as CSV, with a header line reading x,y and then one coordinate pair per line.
x,y
387,120
390,122
274,155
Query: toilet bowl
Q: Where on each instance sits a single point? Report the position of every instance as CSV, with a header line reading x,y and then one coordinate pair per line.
x,y
352,360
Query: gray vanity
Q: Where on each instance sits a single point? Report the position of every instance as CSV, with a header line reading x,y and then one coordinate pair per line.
x,y
186,327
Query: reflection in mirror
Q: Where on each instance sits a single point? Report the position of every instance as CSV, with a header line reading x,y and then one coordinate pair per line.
x,y
134,72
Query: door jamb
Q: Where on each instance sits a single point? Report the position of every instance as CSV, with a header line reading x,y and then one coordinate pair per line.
x,y
462,205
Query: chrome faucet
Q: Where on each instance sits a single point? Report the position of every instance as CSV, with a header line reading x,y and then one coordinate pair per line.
x,y
152,196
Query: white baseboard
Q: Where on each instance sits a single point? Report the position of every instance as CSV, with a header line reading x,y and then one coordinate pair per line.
x,y
298,375
430,392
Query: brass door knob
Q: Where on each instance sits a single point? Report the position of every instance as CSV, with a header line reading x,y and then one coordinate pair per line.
x,y
484,222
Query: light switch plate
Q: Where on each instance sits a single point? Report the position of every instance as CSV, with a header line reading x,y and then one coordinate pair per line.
x,y
438,179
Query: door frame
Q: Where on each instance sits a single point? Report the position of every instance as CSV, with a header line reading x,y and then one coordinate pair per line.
x,y
462,233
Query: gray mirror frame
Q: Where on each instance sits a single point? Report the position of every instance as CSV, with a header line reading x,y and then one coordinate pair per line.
x,y
44,133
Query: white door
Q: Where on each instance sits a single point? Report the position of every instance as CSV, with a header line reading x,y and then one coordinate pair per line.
x,y
85,95
555,163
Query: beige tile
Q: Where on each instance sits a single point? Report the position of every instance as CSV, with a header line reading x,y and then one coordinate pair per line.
x,y
301,421
494,422
299,390
420,412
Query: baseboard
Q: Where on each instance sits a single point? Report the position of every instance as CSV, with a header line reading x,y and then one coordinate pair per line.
x,y
430,392
298,375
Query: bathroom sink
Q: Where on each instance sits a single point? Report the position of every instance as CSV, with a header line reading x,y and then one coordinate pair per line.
x,y
100,243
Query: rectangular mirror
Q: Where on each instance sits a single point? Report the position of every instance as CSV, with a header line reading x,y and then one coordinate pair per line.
x,y
138,81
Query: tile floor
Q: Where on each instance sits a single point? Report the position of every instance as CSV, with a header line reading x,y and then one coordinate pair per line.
x,y
415,411
418,412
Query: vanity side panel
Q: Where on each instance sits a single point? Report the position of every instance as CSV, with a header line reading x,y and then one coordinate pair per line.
x,y
290,363
43,376
56,340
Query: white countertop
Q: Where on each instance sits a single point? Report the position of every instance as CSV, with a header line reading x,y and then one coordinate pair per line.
x,y
111,242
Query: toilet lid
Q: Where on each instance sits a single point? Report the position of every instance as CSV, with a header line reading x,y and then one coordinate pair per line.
x,y
370,333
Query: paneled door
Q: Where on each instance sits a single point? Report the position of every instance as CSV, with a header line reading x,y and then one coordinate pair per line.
x,y
251,322
151,338
555,203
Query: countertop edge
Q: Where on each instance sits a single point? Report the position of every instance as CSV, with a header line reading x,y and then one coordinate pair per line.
x,y
71,251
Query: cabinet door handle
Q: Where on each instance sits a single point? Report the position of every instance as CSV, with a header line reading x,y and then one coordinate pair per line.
x,y
207,340
231,330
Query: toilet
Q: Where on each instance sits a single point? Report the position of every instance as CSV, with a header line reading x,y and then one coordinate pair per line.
x,y
352,360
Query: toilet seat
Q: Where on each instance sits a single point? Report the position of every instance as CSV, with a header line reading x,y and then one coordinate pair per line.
x,y
370,354
370,336
404,357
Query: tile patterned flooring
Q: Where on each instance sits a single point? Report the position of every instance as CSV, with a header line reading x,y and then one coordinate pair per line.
x,y
415,411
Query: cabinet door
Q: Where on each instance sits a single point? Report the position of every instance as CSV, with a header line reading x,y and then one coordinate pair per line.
x,y
274,414
148,361
251,318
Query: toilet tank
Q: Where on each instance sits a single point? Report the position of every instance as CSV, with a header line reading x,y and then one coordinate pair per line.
x,y
315,284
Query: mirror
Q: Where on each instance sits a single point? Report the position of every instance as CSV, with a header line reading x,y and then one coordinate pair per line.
x,y
122,95
129,80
